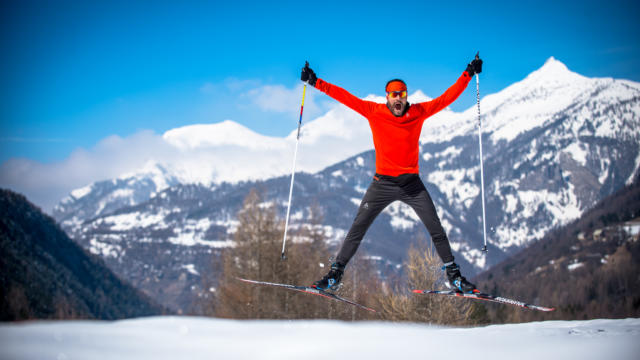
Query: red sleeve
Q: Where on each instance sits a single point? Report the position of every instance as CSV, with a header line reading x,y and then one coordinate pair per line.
x,y
449,96
363,107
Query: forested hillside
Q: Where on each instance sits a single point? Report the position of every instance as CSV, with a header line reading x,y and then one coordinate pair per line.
x,y
45,275
587,269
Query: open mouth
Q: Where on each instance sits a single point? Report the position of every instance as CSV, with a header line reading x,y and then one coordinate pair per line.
x,y
397,106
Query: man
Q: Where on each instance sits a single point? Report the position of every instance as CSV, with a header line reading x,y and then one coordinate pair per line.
x,y
396,128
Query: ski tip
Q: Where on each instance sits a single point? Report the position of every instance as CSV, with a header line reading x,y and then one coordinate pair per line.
x,y
417,291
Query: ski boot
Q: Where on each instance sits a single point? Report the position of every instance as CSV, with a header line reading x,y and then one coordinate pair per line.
x,y
331,281
457,281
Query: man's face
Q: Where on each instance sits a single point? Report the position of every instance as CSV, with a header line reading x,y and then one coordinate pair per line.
x,y
397,102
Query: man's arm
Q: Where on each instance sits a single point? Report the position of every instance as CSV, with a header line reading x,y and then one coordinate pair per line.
x,y
452,93
449,96
362,107
343,96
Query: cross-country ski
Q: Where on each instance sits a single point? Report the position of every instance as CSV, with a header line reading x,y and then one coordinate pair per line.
x,y
309,290
483,296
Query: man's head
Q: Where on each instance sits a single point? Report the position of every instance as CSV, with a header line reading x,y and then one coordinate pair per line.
x,y
396,96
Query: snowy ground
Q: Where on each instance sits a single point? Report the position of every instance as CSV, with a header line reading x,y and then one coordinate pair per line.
x,y
204,338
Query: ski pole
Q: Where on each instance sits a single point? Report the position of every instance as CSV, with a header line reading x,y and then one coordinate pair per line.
x,y
484,221
293,171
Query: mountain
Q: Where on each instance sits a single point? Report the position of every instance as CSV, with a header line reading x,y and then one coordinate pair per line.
x,y
45,275
554,144
107,196
586,269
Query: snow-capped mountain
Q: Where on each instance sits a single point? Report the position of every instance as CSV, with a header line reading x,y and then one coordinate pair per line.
x,y
107,196
534,101
554,144
223,152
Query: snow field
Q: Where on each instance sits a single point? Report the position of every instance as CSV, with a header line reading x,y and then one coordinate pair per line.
x,y
207,338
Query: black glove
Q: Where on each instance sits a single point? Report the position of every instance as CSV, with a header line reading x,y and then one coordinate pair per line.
x,y
475,66
308,75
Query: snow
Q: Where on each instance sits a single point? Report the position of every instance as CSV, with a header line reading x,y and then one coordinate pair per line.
x,y
191,268
209,338
128,221
629,181
520,107
360,189
81,192
475,257
574,266
454,183
193,239
226,132
578,153
403,217
104,249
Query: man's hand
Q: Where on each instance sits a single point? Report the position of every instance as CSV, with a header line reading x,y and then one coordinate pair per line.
x,y
475,66
308,75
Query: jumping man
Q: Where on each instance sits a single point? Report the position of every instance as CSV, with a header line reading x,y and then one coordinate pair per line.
x,y
396,128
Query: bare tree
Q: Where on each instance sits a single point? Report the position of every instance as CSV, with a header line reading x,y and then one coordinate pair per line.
x,y
256,255
422,271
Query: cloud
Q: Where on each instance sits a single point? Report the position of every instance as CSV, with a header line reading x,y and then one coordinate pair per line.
x,y
47,183
207,88
282,99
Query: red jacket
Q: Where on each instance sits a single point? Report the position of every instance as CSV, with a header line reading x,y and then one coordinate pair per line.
x,y
396,139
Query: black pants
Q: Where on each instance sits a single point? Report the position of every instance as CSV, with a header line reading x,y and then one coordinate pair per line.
x,y
384,190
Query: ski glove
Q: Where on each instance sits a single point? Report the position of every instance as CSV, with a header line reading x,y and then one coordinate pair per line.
x,y
308,75
475,66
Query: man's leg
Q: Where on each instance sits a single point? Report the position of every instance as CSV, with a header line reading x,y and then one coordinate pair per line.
x,y
416,195
377,197
379,194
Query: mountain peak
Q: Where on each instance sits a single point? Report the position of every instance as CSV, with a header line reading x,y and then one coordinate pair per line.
x,y
554,70
223,133
552,62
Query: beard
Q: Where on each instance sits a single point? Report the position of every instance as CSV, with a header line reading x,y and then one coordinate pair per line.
x,y
397,108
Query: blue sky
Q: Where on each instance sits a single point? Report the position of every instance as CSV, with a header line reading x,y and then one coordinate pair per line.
x,y
75,73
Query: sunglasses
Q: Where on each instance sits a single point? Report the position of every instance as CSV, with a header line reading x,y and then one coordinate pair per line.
x,y
395,94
